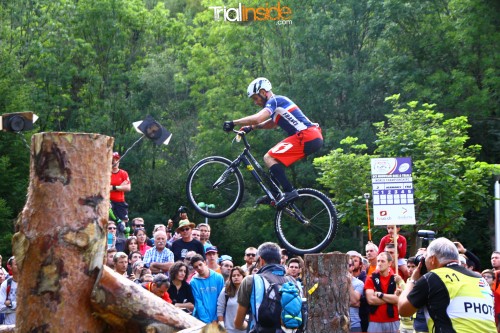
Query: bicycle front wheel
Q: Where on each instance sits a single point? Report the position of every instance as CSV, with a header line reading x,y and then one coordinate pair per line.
x,y
214,188
308,224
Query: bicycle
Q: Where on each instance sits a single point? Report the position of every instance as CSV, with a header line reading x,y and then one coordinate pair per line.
x,y
305,225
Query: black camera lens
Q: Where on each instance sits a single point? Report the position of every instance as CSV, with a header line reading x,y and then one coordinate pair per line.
x,y
421,259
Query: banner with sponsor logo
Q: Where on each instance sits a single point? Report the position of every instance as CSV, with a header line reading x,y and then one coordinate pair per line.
x,y
392,191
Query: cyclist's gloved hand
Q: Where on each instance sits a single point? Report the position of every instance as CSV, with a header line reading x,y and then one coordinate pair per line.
x,y
246,129
228,126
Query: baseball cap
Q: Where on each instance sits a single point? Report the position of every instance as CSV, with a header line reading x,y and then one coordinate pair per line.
x,y
225,257
116,155
211,249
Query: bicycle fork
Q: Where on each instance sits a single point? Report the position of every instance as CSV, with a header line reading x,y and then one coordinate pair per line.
x,y
293,211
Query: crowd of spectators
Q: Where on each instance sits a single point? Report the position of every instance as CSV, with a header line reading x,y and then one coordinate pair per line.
x,y
388,292
440,288
183,267
383,291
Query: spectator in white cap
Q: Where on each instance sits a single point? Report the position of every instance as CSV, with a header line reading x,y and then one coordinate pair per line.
x,y
357,260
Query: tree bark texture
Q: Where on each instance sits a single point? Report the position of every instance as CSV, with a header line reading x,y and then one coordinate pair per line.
x,y
60,243
60,247
328,301
128,307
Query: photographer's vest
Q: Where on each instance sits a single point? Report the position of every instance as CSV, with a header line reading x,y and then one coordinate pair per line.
x,y
470,309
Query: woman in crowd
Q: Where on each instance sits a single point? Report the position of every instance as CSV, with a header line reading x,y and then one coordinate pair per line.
x,y
227,304
180,291
131,245
142,239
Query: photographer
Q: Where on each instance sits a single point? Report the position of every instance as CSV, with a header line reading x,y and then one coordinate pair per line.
x,y
453,295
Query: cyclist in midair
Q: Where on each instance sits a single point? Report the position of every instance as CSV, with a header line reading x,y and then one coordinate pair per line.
x,y
304,136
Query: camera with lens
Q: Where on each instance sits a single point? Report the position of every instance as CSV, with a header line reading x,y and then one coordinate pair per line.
x,y
182,209
427,235
420,258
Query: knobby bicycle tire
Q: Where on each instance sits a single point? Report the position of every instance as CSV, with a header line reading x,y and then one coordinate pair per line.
x,y
213,182
318,233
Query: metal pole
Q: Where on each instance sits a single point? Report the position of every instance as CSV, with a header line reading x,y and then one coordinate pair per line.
x,y
497,214
367,198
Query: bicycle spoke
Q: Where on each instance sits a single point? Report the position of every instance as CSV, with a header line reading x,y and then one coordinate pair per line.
x,y
308,224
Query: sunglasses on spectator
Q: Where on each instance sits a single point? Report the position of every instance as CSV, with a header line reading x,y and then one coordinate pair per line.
x,y
250,254
185,229
111,228
139,225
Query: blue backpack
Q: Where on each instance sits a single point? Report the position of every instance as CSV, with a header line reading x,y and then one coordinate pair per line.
x,y
291,306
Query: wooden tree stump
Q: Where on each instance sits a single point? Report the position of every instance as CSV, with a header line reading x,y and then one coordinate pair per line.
x,y
60,247
60,244
329,302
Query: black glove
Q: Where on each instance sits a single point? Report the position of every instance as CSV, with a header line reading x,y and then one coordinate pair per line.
x,y
228,126
246,129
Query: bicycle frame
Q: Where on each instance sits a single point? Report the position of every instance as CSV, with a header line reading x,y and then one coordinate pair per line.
x,y
255,168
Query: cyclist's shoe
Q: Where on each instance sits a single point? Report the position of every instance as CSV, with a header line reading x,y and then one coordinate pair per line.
x,y
263,200
287,197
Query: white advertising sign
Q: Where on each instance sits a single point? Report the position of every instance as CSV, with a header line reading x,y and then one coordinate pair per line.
x,y
392,191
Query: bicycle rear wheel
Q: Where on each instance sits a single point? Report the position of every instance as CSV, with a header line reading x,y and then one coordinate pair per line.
x,y
308,224
213,182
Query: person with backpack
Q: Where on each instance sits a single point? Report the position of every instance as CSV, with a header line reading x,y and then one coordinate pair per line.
x,y
260,293
8,292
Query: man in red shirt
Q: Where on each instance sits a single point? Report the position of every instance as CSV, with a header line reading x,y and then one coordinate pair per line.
x,y
382,293
159,287
120,183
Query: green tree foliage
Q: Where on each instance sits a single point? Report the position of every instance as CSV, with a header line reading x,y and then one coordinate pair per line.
x,y
448,179
99,65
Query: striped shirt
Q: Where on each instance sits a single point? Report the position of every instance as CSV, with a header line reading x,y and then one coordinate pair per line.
x,y
153,255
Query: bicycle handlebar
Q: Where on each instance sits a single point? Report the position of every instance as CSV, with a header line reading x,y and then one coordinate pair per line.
x,y
241,135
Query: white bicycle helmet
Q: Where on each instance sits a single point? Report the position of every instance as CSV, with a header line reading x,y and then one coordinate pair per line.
x,y
258,84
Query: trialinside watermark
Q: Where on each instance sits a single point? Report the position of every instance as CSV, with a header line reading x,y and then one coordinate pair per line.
x,y
242,13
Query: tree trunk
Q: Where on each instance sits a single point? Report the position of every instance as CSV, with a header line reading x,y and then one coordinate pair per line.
x,y
60,248
60,243
328,302
128,307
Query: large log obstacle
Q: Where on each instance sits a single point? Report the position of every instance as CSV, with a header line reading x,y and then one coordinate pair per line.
x,y
60,247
